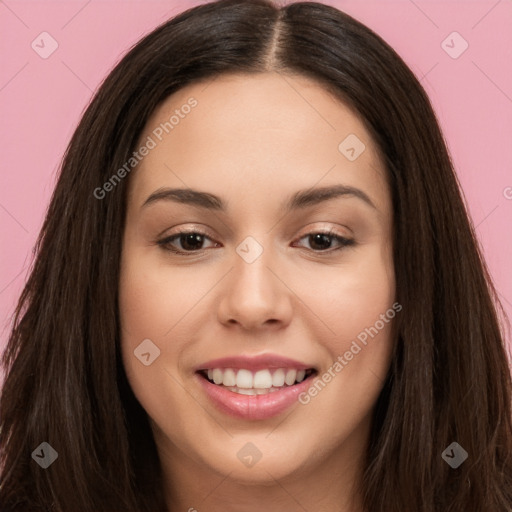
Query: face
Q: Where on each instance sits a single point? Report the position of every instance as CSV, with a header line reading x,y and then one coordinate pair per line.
x,y
279,294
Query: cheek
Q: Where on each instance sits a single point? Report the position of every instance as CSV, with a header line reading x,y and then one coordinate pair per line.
x,y
358,306
156,303
152,298
352,298
142,306
359,311
145,314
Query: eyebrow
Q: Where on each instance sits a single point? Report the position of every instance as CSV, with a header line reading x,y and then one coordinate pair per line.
x,y
299,200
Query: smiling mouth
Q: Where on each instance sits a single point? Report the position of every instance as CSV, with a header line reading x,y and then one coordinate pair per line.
x,y
262,382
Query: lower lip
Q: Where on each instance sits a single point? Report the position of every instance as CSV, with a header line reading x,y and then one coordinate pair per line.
x,y
253,407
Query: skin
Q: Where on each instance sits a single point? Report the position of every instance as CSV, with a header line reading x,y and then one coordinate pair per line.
x,y
253,140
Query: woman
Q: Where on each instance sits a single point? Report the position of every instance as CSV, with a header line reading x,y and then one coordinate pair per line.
x,y
257,287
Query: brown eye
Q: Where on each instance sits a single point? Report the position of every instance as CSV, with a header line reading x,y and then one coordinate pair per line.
x,y
321,242
190,242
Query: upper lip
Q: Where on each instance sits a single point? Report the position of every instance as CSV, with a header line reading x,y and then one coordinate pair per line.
x,y
254,363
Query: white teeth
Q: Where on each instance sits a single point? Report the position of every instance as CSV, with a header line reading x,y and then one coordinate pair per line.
x,y
246,391
253,391
290,377
261,381
243,379
217,376
278,378
229,377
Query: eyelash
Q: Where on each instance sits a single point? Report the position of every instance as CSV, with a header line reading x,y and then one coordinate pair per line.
x,y
165,242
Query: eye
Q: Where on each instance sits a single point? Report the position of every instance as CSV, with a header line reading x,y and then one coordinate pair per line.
x,y
323,240
192,242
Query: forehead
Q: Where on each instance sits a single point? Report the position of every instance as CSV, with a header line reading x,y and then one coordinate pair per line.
x,y
260,132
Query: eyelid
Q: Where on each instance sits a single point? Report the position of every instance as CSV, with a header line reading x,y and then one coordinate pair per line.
x,y
327,228
191,228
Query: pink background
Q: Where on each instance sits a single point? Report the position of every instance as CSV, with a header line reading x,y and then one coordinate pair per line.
x,y
41,101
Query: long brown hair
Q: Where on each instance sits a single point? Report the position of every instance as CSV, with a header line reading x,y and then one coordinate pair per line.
x,y
449,380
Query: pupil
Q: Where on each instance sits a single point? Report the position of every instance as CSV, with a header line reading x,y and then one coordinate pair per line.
x,y
319,237
191,238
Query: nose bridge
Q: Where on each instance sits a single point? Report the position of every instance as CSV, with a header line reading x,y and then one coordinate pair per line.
x,y
254,294
251,267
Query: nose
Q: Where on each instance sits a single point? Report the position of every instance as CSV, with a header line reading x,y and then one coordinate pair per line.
x,y
255,295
